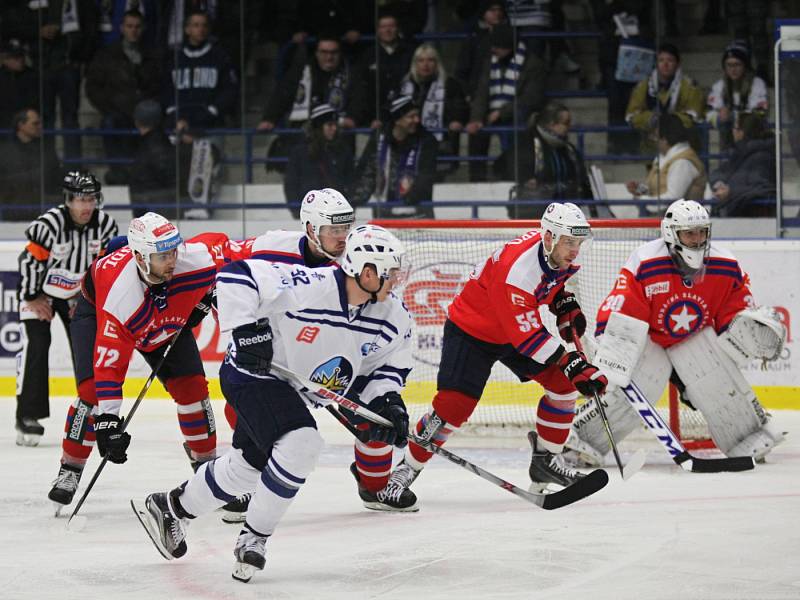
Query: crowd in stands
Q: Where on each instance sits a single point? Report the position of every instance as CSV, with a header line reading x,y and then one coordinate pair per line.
x,y
171,71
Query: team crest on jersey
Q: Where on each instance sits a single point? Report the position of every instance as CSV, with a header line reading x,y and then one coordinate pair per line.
x,y
368,348
682,318
335,374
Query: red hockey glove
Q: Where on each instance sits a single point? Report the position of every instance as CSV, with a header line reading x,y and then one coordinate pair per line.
x,y
568,315
586,378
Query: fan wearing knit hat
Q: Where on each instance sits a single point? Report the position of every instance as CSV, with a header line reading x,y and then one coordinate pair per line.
x,y
739,91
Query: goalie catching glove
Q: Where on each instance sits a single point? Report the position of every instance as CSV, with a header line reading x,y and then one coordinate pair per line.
x,y
568,315
253,346
112,442
390,406
586,378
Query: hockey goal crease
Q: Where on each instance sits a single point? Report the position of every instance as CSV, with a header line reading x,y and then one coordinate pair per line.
x,y
443,253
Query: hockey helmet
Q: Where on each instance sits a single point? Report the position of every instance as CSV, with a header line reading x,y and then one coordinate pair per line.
x,y
325,207
372,245
685,215
564,219
152,234
81,183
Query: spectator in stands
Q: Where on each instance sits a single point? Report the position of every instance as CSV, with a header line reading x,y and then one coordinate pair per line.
x,y
321,160
677,171
18,82
533,16
338,19
634,18
739,90
61,36
749,173
398,165
441,101
490,14
412,15
748,19
118,78
386,66
112,13
200,86
547,166
510,86
666,91
152,175
30,170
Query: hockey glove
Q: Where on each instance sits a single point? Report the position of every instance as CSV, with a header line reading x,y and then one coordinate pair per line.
x,y
202,308
112,442
586,378
392,407
568,315
253,345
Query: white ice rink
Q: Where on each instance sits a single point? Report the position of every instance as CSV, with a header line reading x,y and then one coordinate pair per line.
x,y
664,534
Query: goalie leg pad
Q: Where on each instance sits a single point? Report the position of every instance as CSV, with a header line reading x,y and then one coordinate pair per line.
x,y
650,375
716,387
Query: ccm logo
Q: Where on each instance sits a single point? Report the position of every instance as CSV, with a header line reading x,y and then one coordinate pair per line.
x,y
255,340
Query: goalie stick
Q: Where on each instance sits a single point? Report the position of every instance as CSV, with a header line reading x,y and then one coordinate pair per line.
x,y
636,462
655,423
593,482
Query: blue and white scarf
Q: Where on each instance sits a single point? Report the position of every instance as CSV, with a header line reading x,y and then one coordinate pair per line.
x,y
503,81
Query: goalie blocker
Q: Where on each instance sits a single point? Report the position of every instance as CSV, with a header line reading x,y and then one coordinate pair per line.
x,y
714,383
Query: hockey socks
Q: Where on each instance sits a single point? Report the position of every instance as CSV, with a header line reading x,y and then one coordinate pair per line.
x,y
451,409
553,420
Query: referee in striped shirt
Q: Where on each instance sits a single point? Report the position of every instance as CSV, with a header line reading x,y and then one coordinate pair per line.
x,y
62,243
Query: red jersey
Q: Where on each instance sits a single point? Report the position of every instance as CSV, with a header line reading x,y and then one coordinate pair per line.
x,y
650,288
130,316
500,302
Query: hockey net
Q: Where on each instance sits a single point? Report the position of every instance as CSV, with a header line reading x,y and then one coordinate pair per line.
x,y
443,253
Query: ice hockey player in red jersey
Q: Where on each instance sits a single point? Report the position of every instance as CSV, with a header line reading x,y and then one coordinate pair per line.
x,y
702,325
495,318
138,298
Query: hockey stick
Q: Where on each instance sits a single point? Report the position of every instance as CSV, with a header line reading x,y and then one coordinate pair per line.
x,y
593,482
655,422
361,434
127,422
637,460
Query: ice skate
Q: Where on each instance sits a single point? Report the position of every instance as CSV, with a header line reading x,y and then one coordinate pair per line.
x,y
395,496
163,523
29,432
250,553
547,468
64,486
235,511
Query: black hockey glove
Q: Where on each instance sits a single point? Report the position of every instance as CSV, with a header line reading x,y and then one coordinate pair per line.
x,y
253,345
112,442
392,407
586,378
202,308
568,315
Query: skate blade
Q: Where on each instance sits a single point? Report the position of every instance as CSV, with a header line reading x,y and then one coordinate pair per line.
x,y
634,465
153,534
386,508
243,572
28,440
57,508
232,518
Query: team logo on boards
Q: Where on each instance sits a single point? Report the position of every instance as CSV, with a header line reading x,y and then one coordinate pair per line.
x,y
335,374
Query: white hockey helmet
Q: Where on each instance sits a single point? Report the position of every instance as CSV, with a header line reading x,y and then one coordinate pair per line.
x,y
684,215
152,234
564,219
325,207
372,245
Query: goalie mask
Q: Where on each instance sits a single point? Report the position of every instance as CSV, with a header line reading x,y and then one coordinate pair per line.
x,y
564,220
686,230
152,234
325,207
374,245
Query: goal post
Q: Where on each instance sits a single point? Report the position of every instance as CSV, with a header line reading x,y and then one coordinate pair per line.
x,y
442,254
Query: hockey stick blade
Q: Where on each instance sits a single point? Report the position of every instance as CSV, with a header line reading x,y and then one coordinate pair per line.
x,y
154,537
714,465
634,465
593,482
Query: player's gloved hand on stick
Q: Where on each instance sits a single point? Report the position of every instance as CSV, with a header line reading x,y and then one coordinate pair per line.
x,y
391,407
202,308
253,345
586,378
568,315
112,442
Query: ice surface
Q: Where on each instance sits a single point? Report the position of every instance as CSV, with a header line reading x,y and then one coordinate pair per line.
x,y
664,534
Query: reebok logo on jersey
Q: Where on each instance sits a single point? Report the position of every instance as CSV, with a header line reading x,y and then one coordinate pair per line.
x,y
662,287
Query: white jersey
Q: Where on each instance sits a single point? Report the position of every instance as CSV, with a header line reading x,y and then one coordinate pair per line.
x,y
280,246
360,351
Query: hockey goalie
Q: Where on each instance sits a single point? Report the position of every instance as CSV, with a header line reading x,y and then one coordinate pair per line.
x,y
681,310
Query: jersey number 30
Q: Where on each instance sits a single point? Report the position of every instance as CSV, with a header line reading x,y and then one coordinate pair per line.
x,y
528,321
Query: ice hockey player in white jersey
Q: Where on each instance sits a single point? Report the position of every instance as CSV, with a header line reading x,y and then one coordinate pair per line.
x,y
343,328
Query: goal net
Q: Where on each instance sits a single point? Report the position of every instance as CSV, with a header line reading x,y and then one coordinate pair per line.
x,y
443,253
